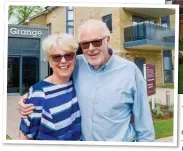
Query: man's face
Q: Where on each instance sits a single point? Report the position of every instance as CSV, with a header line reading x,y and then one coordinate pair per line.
x,y
95,46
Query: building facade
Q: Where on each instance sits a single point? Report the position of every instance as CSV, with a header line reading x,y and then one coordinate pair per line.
x,y
26,61
142,35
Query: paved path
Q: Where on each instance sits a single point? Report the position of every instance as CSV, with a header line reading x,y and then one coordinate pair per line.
x,y
166,139
13,117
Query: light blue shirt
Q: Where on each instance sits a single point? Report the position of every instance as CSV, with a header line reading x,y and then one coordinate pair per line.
x,y
108,96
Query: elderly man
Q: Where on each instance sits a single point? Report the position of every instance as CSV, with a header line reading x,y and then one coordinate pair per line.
x,y
109,89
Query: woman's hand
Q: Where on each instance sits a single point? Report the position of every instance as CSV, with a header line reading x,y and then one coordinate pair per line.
x,y
25,109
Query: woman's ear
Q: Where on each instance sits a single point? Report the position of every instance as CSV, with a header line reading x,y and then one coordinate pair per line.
x,y
50,63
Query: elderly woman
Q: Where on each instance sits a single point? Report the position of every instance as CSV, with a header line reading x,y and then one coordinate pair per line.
x,y
56,115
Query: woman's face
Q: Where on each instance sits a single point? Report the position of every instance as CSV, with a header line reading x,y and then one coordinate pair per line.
x,y
62,62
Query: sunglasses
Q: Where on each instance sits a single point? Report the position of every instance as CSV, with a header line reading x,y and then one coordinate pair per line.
x,y
95,43
68,57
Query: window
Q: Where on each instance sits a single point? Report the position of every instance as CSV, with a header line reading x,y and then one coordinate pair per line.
x,y
70,8
108,20
70,15
49,28
69,20
165,20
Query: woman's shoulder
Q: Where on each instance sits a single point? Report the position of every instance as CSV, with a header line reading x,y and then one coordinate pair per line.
x,y
37,90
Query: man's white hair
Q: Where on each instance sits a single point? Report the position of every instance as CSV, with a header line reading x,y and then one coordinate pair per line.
x,y
94,23
66,41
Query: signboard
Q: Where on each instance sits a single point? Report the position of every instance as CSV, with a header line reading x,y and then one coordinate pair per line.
x,y
150,77
25,32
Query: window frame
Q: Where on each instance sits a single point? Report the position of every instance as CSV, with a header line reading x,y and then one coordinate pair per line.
x,y
105,19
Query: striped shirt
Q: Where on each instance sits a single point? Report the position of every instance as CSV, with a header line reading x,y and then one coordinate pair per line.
x,y
56,115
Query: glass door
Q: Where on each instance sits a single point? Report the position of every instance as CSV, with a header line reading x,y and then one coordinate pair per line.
x,y
13,80
30,72
167,60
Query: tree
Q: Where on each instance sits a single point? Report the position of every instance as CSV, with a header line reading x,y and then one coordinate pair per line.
x,y
22,13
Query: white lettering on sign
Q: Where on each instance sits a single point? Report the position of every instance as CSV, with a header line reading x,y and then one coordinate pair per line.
x,y
150,73
24,32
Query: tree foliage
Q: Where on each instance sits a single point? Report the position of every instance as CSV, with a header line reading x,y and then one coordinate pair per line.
x,y
22,13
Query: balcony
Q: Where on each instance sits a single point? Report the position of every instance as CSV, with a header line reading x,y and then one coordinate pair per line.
x,y
151,12
149,36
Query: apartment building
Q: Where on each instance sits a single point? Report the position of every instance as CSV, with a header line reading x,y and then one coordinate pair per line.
x,y
142,35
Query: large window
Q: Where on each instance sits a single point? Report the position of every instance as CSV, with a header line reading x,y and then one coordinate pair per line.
x,y
23,64
108,20
69,20
165,20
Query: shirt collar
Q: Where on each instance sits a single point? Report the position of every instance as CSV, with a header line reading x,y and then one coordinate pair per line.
x,y
104,67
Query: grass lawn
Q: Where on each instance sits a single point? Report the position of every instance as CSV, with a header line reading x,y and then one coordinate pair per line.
x,y
163,128
169,86
8,138
180,81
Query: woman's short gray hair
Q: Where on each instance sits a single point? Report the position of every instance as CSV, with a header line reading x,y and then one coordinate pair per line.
x,y
66,41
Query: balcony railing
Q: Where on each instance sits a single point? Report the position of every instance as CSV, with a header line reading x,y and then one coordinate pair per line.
x,y
150,31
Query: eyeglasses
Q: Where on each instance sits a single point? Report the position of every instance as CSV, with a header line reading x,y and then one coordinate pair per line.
x,y
68,57
95,43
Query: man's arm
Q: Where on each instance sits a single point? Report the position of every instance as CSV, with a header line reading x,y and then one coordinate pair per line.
x,y
143,123
25,109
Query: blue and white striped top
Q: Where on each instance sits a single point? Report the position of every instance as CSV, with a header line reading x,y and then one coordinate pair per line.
x,y
56,115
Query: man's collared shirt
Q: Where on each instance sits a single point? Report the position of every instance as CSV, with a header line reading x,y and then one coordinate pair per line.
x,y
108,96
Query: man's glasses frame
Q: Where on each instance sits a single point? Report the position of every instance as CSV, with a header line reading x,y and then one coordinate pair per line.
x,y
95,43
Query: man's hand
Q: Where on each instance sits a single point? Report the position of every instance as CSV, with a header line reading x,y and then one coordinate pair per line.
x,y
21,136
25,109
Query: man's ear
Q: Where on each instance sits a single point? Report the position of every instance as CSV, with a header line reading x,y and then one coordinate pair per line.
x,y
108,39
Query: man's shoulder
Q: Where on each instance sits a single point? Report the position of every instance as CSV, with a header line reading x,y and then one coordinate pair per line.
x,y
80,57
80,60
124,62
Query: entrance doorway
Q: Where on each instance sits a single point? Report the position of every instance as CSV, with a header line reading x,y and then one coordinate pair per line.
x,y
140,63
23,72
13,74
167,60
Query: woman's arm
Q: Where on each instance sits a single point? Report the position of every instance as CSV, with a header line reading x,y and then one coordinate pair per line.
x,y
29,127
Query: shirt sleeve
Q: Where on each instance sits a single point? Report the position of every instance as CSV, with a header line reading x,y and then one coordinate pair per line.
x,y
143,123
30,125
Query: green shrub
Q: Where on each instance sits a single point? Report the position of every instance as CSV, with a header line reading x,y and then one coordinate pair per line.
x,y
170,109
158,106
160,114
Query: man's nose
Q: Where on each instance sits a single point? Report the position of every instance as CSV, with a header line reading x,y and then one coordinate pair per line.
x,y
91,47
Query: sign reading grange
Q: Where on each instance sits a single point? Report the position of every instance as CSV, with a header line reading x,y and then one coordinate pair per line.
x,y
25,32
